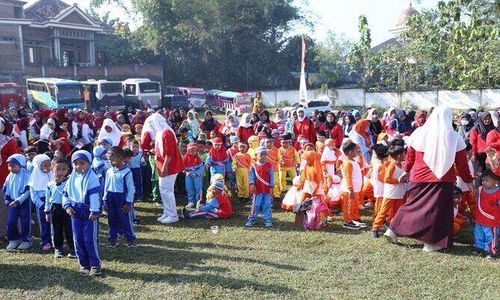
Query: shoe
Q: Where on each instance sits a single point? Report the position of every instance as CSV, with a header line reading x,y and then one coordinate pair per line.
x,y
360,224
137,221
112,243
249,224
95,271
351,226
431,248
198,204
84,270
170,220
47,247
268,224
25,246
490,257
58,253
391,236
374,233
190,205
477,252
184,213
72,254
13,245
131,244
162,217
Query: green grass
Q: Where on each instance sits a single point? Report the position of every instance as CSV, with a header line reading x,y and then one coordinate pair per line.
x,y
187,261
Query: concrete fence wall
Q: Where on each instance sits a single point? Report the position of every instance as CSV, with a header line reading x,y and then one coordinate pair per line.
x,y
489,98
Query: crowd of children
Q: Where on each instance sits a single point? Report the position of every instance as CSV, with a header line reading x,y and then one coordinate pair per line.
x,y
70,178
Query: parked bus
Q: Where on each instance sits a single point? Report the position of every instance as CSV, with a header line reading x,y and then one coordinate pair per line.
x,y
100,94
213,102
141,91
197,97
11,95
54,93
237,102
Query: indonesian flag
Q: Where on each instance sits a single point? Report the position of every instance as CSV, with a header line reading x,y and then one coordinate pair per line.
x,y
303,87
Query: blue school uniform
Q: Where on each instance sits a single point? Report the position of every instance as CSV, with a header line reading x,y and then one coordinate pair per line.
x,y
193,181
218,167
82,194
135,168
118,191
61,221
262,201
16,189
100,166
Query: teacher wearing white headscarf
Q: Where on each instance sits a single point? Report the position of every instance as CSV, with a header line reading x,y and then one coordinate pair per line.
x,y
435,151
169,163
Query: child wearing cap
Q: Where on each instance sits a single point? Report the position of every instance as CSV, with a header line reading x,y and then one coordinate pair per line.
x,y
234,141
261,186
81,201
290,159
17,195
100,164
218,207
242,162
193,172
217,158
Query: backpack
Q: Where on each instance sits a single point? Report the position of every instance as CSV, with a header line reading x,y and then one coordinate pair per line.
x,y
316,216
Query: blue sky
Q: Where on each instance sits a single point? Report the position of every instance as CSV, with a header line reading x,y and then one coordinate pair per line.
x,y
340,16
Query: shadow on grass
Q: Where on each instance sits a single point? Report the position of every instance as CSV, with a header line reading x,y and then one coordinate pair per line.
x,y
35,277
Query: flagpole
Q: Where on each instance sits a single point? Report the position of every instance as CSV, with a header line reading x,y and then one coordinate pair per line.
x,y
303,87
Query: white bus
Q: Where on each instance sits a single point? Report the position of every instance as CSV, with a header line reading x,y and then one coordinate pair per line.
x,y
141,91
99,94
54,93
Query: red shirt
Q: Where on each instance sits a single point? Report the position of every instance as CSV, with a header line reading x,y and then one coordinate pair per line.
x,y
146,142
420,172
493,139
171,150
335,134
7,150
306,128
225,209
244,133
231,153
264,172
478,144
488,204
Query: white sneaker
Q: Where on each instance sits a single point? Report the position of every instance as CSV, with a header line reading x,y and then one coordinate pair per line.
x,y
190,205
170,220
162,217
430,248
13,245
25,246
391,236
360,224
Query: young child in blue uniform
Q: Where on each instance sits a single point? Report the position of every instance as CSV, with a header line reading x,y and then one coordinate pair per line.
x,y
135,168
118,198
39,180
81,201
193,171
54,212
100,165
30,152
17,195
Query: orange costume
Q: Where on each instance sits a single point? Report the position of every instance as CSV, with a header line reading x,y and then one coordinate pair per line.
x,y
352,182
458,221
290,158
311,178
242,162
274,158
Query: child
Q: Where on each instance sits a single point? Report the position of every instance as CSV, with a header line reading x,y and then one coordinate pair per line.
x,y
468,199
30,152
100,165
394,189
218,207
352,182
378,165
253,143
487,215
217,178
193,171
118,199
81,201
217,158
135,167
17,200
242,162
261,185
293,196
38,183
106,143
275,135
320,141
311,178
329,157
234,141
459,222
274,158
54,212
290,159
202,153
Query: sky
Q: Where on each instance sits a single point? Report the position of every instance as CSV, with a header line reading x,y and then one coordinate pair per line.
x,y
340,16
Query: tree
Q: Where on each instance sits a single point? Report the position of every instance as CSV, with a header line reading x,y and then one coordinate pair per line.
x,y
360,55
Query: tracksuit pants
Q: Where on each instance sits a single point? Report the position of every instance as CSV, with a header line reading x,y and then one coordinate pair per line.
x,y
119,222
350,210
43,225
277,186
85,236
261,204
137,176
388,210
61,227
486,238
167,195
20,213
203,215
242,183
154,179
193,188
287,173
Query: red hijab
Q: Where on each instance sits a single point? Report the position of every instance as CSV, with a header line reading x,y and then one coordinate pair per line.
x,y
218,155
361,128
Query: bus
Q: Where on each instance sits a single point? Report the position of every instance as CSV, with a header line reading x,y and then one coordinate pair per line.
x,y
11,95
100,94
142,91
54,93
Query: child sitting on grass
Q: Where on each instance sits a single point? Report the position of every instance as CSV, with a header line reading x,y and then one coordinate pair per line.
x,y
218,207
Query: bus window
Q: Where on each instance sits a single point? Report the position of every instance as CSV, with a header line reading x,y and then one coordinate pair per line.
x,y
130,89
149,87
52,92
68,94
111,88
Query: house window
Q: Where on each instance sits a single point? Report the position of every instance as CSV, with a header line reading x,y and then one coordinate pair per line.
x,y
18,12
34,55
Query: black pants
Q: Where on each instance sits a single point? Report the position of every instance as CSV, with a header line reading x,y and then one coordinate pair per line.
x,y
61,224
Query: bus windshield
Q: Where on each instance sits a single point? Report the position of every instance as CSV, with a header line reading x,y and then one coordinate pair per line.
x,y
8,91
149,87
111,88
69,94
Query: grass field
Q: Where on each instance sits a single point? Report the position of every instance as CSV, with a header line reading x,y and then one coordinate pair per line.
x,y
187,261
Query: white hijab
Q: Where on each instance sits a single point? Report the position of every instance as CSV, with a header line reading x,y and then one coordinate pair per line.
x,y
194,124
115,134
439,142
243,121
38,179
46,131
152,125
298,116
160,125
